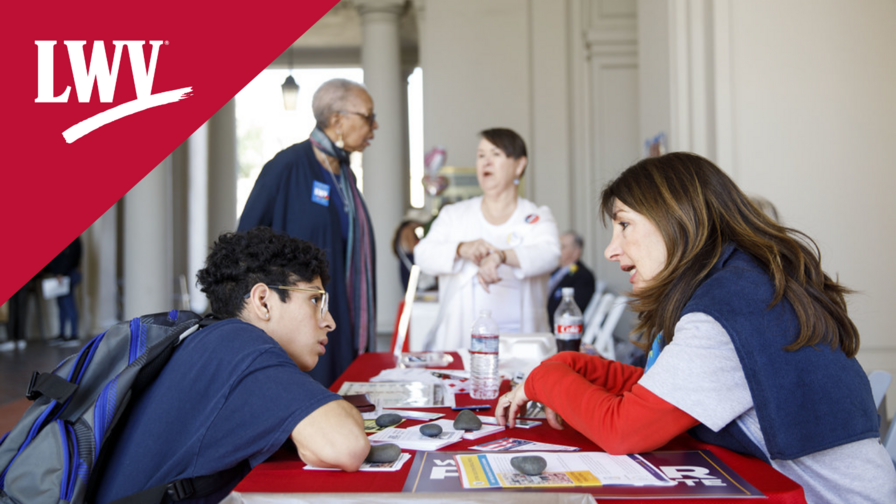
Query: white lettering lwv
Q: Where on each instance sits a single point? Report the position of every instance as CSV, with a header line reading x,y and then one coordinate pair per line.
x,y
105,79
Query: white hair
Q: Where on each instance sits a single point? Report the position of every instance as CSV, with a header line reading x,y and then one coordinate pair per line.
x,y
331,97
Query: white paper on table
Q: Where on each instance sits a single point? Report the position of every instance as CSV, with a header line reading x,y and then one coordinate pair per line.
x,y
454,381
422,375
493,470
410,439
371,466
409,414
401,394
448,426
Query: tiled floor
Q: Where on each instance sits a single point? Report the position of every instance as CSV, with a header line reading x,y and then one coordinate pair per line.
x,y
16,367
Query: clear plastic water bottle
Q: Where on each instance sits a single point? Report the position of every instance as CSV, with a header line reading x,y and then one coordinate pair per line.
x,y
484,357
568,323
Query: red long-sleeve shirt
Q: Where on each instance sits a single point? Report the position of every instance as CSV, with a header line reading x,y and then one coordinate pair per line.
x,y
602,400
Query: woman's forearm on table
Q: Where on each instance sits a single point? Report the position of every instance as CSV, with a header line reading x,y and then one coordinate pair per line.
x,y
629,422
613,376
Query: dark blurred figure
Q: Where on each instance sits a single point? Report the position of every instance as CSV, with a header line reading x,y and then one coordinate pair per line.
x,y
404,241
67,264
571,273
15,328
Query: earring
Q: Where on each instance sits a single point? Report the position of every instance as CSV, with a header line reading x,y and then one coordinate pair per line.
x,y
340,143
516,181
267,315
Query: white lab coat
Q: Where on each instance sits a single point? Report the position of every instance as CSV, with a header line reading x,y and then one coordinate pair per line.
x,y
537,245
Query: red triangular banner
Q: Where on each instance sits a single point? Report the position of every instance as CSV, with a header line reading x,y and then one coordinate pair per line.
x,y
53,186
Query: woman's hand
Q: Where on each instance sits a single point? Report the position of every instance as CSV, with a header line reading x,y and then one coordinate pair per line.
x,y
510,404
474,251
515,402
488,270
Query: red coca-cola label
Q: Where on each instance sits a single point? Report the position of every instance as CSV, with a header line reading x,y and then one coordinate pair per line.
x,y
568,329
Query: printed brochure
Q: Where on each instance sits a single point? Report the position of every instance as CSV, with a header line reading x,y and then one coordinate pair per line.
x,y
582,469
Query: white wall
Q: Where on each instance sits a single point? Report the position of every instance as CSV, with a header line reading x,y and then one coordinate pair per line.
x,y
814,107
795,100
477,74
501,63
610,104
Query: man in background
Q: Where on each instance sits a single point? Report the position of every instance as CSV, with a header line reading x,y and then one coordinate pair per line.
x,y
571,273
67,264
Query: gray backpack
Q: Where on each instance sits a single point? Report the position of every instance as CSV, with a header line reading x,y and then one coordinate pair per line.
x,y
55,453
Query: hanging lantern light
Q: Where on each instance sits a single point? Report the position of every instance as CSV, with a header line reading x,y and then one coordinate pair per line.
x,y
290,92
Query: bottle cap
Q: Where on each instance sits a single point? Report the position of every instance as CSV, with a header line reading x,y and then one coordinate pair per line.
x,y
568,291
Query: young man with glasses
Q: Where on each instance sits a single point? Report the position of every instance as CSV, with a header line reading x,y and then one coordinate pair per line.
x,y
237,390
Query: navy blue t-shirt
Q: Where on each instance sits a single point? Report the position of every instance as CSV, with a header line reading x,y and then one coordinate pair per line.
x,y
228,394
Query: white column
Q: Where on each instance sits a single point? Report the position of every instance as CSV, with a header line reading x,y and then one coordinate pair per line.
x,y
197,213
100,265
222,172
147,270
385,170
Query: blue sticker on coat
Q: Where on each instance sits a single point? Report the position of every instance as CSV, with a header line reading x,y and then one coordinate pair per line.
x,y
320,193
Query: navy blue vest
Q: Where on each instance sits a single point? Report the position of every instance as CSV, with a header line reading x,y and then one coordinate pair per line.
x,y
809,400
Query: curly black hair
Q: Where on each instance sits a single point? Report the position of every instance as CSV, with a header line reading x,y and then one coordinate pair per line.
x,y
238,261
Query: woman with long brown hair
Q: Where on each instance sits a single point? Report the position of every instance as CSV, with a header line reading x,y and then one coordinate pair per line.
x,y
750,344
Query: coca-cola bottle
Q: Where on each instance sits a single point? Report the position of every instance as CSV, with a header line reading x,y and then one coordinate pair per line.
x,y
568,323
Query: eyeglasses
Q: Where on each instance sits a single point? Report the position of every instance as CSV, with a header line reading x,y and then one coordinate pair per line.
x,y
324,300
370,118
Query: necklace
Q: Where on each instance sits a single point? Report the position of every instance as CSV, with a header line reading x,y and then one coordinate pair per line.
x,y
340,183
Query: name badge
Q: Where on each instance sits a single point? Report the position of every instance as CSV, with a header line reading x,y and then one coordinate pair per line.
x,y
320,193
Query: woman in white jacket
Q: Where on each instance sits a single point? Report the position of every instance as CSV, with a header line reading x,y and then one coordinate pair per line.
x,y
494,252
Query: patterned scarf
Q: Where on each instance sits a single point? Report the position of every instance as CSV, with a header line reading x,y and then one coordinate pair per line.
x,y
358,250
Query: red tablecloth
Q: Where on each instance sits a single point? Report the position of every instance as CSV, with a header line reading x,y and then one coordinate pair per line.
x,y
283,472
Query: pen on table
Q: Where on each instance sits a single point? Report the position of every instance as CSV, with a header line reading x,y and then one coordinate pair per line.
x,y
447,375
475,407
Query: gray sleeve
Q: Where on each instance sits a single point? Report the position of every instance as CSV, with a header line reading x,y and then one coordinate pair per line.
x,y
700,374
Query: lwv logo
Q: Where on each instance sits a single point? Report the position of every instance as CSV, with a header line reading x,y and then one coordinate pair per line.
x,y
105,78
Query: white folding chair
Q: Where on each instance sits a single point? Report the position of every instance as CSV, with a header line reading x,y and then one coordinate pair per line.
x,y
599,287
602,305
600,332
605,343
890,441
880,382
